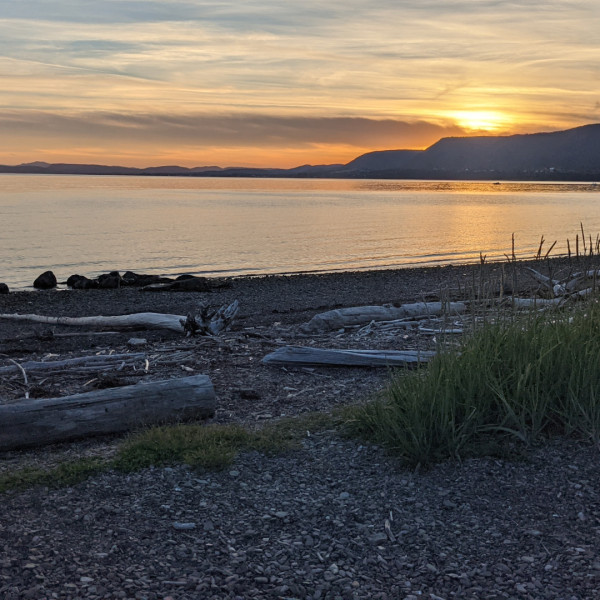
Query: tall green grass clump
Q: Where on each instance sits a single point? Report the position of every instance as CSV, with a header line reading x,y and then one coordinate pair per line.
x,y
525,378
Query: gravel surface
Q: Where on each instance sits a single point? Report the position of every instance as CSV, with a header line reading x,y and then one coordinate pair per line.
x,y
334,519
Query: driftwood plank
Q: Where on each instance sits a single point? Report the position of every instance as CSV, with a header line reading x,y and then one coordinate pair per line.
x,y
362,315
303,356
35,422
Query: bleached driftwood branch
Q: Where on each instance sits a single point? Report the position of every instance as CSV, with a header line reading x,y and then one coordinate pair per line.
x,y
547,283
218,321
527,303
362,315
582,281
557,293
302,356
101,361
35,422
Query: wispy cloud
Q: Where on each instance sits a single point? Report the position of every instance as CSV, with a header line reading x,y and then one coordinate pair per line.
x,y
363,66
234,131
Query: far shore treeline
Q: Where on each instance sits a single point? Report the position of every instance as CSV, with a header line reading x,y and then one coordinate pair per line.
x,y
570,155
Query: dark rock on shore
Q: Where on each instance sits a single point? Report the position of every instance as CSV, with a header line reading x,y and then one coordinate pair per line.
x,y
3,288
141,280
190,284
80,282
45,281
114,280
184,283
109,281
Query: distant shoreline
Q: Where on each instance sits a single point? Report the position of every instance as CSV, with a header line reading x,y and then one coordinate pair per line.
x,y
249,173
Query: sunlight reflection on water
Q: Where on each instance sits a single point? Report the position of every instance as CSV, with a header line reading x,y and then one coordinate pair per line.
x,y
227,226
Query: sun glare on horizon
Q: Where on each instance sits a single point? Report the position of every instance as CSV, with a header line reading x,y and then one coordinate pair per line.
x,y
481,120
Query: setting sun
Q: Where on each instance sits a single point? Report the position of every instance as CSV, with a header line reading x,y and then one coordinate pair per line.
x,y
480,120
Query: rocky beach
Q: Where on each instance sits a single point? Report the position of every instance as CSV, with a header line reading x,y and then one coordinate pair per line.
x,y
333,519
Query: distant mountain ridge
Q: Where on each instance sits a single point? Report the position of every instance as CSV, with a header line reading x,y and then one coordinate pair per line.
x,y
85,169
570,154
573,151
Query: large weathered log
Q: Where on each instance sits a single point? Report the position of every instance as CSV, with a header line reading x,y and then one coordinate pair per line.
x,y
217,322
575,286
35,422
361,315
303,356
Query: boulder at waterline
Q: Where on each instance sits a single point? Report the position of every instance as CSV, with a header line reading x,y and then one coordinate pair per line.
x,y
190,284
184,283
142,279
3,288
109,281
46,281
80,282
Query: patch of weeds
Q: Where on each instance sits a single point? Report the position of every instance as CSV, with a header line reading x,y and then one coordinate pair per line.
x,y
213,447
209,447
197,445
67,473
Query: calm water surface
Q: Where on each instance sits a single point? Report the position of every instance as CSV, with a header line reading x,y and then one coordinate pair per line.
x,y
222,226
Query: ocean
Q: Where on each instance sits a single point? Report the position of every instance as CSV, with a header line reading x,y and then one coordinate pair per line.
x,y
233,226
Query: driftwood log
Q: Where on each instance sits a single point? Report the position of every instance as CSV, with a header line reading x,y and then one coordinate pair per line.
x,y
535,303
206,323
362,315
36,422
574,287
94,362
326,357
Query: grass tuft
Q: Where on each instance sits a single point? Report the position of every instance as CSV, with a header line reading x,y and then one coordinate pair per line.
x,y
522,379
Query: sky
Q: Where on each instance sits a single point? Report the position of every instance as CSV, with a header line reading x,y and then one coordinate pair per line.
x,y
280,84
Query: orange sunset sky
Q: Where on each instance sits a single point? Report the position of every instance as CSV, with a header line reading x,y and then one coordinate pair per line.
x,y
268,83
